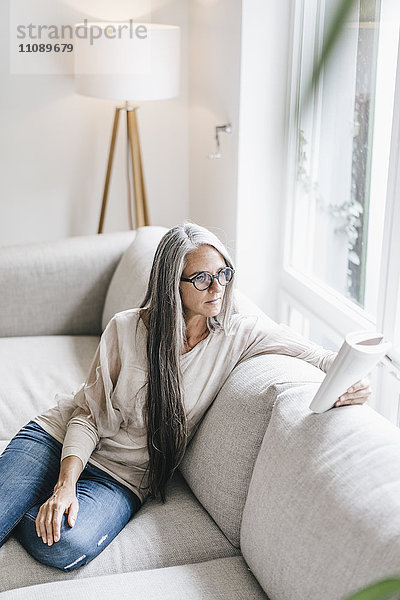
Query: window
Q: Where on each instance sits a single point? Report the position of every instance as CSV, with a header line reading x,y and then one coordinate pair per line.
x,y
341,270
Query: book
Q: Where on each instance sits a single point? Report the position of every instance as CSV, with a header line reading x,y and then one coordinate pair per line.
x,y
358,355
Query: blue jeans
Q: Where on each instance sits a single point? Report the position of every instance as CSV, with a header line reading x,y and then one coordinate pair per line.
x,y
29,469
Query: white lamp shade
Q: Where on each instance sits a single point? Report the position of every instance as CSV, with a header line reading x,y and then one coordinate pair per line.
x,y
127,61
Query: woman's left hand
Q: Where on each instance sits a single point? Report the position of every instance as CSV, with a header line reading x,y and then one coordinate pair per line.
x,y
358,393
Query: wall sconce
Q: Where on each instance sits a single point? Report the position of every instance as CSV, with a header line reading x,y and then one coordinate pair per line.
x,y
219,129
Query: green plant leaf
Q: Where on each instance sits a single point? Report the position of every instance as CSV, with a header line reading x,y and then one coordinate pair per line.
x,y
387,589
336,28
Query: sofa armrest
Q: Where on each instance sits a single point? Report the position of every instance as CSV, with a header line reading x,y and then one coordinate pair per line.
x,y
58,288
322,515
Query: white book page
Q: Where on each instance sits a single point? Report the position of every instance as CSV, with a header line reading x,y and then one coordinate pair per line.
x,y
358,355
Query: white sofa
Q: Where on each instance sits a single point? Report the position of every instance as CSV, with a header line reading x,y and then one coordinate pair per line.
x,y
271,501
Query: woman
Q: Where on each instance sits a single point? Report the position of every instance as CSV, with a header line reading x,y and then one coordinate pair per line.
x,y
121,436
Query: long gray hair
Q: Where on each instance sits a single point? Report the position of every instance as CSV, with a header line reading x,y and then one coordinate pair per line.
x,y
167,431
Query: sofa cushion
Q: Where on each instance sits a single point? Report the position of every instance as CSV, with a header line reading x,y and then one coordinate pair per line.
x,y
159,535
34,369
59,287
222,578
322,516
219,461
129,282
246,306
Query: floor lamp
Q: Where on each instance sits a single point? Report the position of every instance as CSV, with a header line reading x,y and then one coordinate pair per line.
x,y
131,62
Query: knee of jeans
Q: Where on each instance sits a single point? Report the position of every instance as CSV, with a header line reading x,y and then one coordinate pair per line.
x,y
73,560
63,561
68,554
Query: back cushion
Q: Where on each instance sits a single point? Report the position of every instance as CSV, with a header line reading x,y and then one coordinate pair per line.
x,y
219,461
129,283
322,516
58,287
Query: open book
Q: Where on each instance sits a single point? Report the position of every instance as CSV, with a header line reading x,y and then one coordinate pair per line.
x,y
359,353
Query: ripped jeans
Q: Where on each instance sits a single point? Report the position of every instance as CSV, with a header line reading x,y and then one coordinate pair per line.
x,y
29,469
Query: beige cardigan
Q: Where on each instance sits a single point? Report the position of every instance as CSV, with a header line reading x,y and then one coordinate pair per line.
x,y
103,423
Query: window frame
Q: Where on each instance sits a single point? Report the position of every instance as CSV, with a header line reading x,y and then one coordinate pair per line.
x,y
339,313
389,301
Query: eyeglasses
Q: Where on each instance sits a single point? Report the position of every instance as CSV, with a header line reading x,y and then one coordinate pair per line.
x,y
202,281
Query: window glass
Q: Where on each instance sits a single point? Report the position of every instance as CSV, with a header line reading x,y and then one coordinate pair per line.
x,y
332,229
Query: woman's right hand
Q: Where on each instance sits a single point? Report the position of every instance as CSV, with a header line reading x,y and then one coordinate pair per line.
x,y
48,521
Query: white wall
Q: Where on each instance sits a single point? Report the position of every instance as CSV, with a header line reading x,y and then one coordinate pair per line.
x,y
214,87
239,55
266,49
54,143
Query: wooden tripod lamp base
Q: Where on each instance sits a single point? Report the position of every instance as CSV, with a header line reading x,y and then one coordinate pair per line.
x,y
141,210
